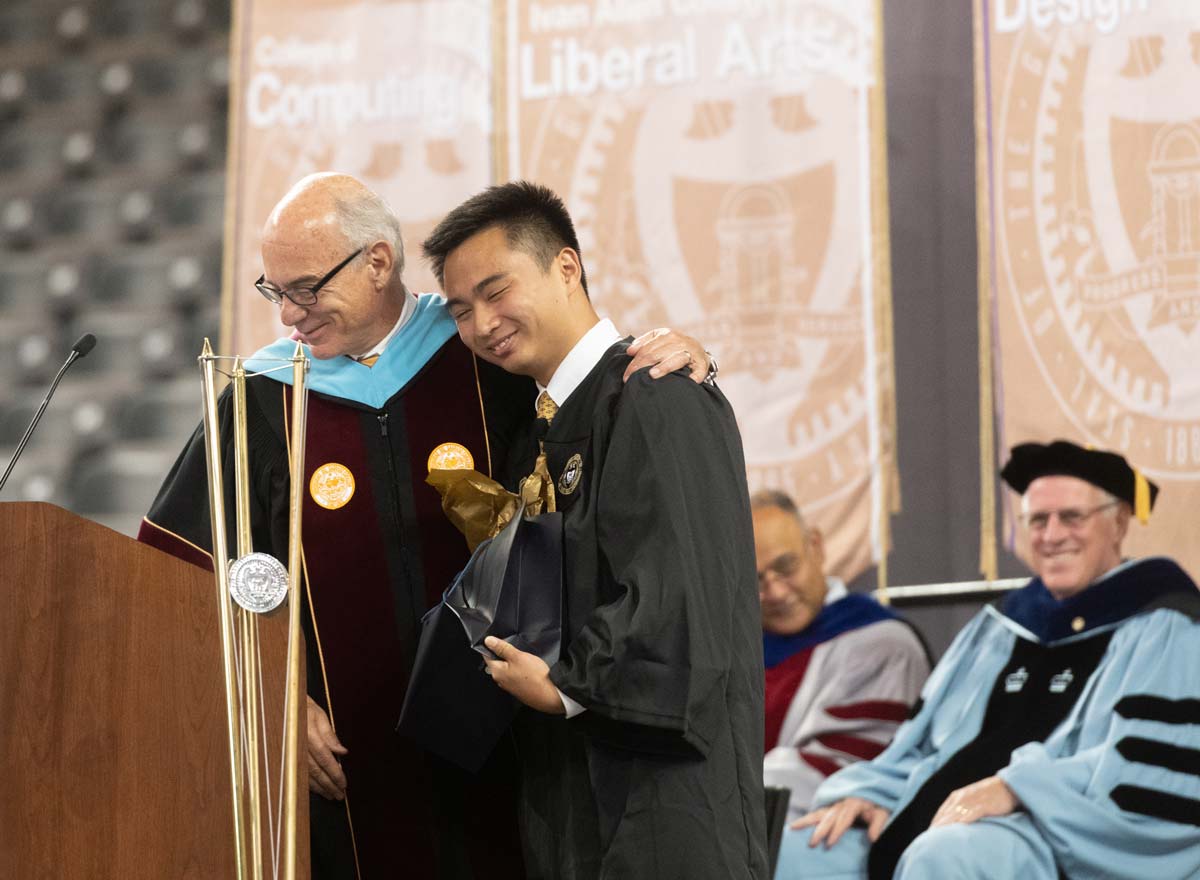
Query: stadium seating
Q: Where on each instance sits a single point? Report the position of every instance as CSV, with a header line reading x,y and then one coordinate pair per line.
x,y
112,153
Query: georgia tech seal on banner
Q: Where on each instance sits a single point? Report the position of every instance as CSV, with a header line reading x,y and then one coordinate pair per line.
x,y
718,162
1093,113
396,92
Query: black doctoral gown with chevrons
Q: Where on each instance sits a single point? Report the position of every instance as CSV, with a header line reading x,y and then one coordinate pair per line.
x,y
373,566
661,776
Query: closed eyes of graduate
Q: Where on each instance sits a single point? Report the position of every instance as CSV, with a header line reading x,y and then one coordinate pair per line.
x,y
459,311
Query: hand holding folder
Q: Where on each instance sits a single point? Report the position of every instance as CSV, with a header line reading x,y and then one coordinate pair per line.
x,y
511,588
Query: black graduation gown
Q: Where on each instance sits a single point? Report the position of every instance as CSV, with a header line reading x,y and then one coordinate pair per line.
x,y
661,777
372,568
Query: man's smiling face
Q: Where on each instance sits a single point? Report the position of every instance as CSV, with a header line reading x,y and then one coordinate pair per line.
x,y
509,310
304,239
1070,557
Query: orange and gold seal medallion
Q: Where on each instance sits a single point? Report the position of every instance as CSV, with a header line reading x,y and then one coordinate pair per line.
x,y
451,457
332,485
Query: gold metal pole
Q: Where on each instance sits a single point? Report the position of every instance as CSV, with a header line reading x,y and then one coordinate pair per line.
x,y
248,627
216,500
292,749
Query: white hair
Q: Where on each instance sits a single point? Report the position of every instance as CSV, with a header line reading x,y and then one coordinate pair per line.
x,y
366,219
1114,503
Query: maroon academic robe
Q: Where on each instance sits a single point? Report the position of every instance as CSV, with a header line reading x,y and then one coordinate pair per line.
x,y
374,562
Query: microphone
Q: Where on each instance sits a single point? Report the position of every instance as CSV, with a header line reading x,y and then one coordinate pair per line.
x,y
82,346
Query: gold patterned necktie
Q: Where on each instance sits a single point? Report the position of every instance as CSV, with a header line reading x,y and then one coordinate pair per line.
x,y
369,360
546,407
537,489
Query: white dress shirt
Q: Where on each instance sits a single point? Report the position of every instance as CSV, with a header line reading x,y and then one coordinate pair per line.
x,y
580,360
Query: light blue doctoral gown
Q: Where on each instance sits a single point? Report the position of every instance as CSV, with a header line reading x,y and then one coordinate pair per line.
x,y
1132,738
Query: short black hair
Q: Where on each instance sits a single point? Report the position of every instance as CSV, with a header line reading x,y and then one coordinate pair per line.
x,y
533,217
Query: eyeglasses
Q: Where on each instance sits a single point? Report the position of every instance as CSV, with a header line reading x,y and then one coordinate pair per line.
x,y
301,296
1071,518
784,566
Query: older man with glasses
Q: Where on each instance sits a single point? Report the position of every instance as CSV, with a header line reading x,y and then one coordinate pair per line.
x,y
842,671
394,394
1060,734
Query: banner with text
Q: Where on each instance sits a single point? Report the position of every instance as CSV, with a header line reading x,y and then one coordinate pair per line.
x,y
724,163
397,93
1089,209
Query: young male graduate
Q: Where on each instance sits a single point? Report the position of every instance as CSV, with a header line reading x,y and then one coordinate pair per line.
x,y
390,383
1060,734
640,750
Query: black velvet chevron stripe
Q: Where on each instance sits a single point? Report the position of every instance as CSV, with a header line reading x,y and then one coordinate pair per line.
x,y
1146,707
1160,754
1157,804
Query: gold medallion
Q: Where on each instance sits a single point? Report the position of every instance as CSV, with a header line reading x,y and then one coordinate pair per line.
x,y
332,485
451,457
568,480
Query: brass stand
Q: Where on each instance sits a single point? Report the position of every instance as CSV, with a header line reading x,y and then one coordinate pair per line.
x,y
239,627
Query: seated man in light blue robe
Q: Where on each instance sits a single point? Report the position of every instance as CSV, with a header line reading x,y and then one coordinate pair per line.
x,y
1060,734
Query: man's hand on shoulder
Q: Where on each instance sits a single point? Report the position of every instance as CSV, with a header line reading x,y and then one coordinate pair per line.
x,y
665,351
979,800
832,821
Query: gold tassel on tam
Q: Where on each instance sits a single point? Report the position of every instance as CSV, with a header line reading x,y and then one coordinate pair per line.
x,y
1141,497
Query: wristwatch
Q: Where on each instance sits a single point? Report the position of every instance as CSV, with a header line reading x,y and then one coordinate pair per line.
x,y
711,377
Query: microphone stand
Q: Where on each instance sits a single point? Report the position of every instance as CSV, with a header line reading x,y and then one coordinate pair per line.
x,y
75,355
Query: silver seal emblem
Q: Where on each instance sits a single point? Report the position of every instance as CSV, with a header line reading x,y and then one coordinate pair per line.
x,y
258,582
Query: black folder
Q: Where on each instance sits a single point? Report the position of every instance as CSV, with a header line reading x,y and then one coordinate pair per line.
x,y
512,589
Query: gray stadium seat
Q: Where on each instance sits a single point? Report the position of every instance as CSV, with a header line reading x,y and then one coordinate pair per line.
x,y
22,280
23,24
73,27
112,143
41,474
28,350
19,221
166,412
197,201
119,335
118,479
14,90
176,273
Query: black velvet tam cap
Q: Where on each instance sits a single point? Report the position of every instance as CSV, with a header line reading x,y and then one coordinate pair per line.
x,y
1108,470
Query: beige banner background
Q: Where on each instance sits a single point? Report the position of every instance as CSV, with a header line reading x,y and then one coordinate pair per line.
x,y
1089,217
721,162
724,161
396,93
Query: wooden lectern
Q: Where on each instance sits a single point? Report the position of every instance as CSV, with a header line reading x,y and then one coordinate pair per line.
x,y
113,747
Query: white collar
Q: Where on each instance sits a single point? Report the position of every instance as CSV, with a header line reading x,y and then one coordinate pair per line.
x,y
580,360
406,312
835,588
